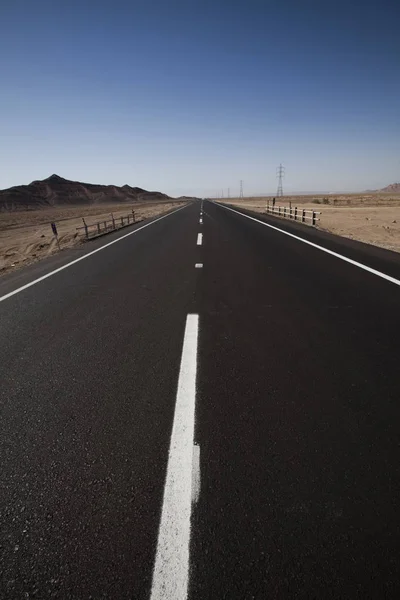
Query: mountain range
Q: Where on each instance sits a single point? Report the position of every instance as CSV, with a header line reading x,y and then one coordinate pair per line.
x,y
57,191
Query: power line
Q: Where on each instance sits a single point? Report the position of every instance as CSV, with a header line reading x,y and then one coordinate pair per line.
x,y
280,173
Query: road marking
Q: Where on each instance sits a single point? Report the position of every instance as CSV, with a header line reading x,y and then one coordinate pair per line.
x,y
73,262
201,221
196,474
199,239
198,266
171,568
336,254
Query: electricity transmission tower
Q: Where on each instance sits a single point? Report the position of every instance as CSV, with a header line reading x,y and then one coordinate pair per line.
x,y
280,173
241,189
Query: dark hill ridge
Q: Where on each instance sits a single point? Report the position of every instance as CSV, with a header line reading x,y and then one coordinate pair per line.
x,y
57,191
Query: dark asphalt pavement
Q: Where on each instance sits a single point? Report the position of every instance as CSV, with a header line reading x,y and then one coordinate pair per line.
x,y
297,414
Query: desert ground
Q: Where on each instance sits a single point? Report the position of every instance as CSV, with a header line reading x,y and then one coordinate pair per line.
x,y
370,218
26,236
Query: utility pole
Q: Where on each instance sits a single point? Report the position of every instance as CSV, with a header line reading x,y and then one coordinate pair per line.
x,y
222,194
241,189
229,193
280,173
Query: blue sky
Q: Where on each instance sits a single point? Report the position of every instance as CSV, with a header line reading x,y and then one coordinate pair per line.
x,y
190,97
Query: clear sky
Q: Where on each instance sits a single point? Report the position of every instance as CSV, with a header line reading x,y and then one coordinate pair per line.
x,y
189,97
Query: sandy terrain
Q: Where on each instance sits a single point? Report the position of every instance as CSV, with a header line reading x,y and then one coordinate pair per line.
x,y
370,218
26,236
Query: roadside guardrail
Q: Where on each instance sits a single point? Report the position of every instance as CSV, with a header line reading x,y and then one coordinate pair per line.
x,y
297,214
102,227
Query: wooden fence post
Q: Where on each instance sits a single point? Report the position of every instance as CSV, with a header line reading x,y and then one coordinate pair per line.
x,y
133,215
303,216
86,228
113,220
295,213
313,217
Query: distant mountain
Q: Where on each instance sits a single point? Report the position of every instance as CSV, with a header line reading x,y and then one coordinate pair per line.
x,y
56,191
393,188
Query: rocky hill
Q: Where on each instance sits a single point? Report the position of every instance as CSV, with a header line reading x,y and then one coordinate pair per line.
x,y
393,188
56,191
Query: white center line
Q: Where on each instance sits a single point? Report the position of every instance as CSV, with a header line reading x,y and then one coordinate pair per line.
x,y
336,254
201,221
73,262
171,569
198,265
196,475
199,239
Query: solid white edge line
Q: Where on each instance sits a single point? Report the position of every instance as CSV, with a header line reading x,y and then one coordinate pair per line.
x,y
300,239
73,262
171,568
198,266
199,239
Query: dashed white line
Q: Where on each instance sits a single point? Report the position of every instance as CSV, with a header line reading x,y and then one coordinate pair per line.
x,y
199,239
336,254
171,569
201,221
198,266
73,262
196,476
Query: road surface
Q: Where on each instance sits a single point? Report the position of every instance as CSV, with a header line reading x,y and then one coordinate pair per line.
x,y
204,407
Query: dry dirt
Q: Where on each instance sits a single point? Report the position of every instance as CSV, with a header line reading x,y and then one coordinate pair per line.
x,y
26,236
370,218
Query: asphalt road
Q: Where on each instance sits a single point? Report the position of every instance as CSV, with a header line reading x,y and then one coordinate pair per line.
x,y
297,412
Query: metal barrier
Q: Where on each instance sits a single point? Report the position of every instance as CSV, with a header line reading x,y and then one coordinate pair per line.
x,y
101,227
297,214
